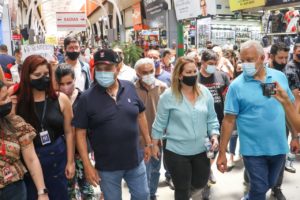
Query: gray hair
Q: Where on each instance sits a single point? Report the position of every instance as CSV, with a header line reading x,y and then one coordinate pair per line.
x,y
143,61
255,44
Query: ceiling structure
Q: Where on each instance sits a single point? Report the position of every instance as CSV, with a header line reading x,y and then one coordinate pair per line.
x,y
50,7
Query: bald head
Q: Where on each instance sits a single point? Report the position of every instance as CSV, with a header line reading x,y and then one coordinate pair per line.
x,y
254,45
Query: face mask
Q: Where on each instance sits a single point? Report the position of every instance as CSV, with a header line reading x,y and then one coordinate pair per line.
x,y
156,63
190,80
105,79
5,109
210,69
249,69
40,84
68,89
72,55
148,79
172,60
278,66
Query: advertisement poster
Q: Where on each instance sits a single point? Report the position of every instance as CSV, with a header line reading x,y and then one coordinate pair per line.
x,y
245,4
203,31
278,2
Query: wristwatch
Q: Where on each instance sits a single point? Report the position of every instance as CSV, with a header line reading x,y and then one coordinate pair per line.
x,y
43,191
149,145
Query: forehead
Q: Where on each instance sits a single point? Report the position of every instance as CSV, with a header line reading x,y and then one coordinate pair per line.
x,y
67,78
249,53
41,68
153,53
282,53
72,44
146,67
189,66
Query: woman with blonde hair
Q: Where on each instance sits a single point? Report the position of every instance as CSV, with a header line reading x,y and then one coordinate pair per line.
x,y
186,116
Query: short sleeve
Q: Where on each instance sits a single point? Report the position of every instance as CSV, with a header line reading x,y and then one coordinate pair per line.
x,y
25,132
80,119
231,102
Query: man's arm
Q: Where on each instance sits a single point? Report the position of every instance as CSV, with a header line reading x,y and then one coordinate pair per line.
x,y
91,173
227,128
145,133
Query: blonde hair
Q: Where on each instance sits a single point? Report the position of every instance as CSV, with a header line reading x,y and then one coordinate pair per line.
x,y
176,85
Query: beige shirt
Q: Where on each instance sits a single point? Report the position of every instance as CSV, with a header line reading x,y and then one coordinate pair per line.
x,y
150,99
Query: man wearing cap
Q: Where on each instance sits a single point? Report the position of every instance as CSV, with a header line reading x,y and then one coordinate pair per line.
x,y
112,111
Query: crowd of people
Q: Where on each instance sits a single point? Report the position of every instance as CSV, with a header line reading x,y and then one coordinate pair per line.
x,y
86,119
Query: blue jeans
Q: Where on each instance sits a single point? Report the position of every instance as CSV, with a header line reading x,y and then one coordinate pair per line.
x,y
136,180
53,159
233,141
14,191
153,168
263,174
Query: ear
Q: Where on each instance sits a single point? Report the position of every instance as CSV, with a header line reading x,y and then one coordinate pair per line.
x,y
262,58
272,56
118,67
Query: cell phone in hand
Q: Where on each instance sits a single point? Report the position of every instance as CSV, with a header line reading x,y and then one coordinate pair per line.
x,y
268,89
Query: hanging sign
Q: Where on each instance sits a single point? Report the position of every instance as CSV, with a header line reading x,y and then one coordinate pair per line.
x,y
71,21
45,50
245,4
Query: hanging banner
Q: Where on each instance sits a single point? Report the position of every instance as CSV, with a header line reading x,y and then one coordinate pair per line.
x,y
278,2
154,8
45,50
187,9
203,31
136,14
71,21
245,4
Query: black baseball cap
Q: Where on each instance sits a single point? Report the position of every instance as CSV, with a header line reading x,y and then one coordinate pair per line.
x,y
106,56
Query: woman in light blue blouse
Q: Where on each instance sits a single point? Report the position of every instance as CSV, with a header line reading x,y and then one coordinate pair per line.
x,y
186,116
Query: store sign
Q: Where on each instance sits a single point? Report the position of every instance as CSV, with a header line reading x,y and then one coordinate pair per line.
x,y
52,40
204,31
16,36
245,4
154,7
45,50
71,21
136,14
186,9
278,2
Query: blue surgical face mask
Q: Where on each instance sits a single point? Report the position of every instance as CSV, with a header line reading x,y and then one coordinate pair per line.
x,y
156,63
210,69
249,69
105,79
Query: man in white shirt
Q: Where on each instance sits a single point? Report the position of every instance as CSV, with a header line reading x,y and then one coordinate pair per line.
x,y
126,72
81,69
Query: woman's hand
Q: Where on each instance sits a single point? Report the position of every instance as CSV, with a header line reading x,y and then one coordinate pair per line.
x,y
70,170
281,95
215,143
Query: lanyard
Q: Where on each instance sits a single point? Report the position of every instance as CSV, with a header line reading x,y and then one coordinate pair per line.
x,y
43,115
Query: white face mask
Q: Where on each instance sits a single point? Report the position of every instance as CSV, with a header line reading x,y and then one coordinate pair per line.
x,y
249,69
148,79
172,60
210,69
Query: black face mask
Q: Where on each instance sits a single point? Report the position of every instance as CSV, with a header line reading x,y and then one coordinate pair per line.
x,y
278,66
40,84
72,55
5,109
189,80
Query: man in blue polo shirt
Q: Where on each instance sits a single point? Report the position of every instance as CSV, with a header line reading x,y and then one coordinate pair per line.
x,y
112,111
260,121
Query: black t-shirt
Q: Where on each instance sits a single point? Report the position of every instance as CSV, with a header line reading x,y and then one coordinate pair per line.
x,y
217,84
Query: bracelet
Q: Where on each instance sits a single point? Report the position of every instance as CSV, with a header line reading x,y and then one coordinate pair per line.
x,y
149,145
296,137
